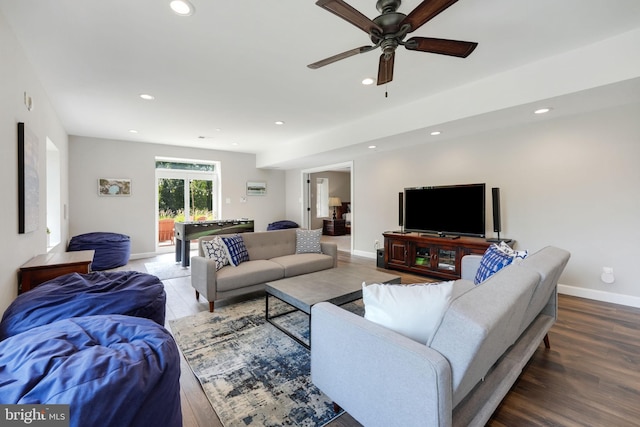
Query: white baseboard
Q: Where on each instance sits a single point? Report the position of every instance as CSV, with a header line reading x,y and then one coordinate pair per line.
x,y
364,254
145,255
597,295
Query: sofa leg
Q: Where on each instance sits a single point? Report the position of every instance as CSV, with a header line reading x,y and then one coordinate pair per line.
x,y
211,307
197,295
336,407
546,341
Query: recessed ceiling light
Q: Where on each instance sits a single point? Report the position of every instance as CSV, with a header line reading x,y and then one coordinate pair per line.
x,y
279,122
542,110
436,132
133,131
368,81
373,146
147,97
234,144
182,7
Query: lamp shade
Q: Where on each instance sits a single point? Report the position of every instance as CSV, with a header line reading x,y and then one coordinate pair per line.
x,y
334,201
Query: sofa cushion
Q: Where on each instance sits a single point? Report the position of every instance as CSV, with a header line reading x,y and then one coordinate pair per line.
x,y
481,324
215,249
549,262
270,244
495,258
248,273
308,241
236,250
295,265
414,311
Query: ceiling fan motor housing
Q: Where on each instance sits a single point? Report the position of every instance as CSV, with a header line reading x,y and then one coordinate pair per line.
x,y
389,21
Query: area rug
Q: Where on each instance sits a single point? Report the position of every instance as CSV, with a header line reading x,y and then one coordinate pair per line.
x,y
167,270
252,373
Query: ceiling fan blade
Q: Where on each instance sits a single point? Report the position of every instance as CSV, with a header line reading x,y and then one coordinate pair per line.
x,y
425,11
350,14
441,46
338,57
385,68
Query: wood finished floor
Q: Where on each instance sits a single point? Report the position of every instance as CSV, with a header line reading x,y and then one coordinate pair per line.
x,y
589,377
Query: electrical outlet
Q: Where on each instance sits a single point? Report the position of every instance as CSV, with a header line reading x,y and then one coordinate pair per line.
x,y
607,275
376,244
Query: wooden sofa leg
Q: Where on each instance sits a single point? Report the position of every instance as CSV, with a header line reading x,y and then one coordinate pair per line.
x,y
336,407
546,341
197,295
211,307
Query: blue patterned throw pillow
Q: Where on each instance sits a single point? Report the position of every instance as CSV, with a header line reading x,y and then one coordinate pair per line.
x,y
215,249
495,258
308,241
236,250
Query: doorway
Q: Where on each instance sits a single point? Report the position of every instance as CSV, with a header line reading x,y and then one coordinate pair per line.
x,y
321,184
186,191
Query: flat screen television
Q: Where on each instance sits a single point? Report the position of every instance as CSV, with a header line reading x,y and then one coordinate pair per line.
x,y
457,210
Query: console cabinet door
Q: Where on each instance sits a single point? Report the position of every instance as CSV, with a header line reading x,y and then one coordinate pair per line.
x,y
397,253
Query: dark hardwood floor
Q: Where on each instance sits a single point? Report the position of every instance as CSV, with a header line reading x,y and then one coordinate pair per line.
x,y
589,377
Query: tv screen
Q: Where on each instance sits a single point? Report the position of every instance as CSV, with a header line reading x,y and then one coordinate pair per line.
x,y
454,210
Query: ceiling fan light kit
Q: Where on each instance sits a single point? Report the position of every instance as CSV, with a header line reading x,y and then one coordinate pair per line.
x,y
388,31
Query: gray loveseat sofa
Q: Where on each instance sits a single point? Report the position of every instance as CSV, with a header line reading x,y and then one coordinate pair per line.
x,y
272,256
487,335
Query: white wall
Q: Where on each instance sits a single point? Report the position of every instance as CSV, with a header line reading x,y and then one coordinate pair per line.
x,y
16,77
93,158
572,182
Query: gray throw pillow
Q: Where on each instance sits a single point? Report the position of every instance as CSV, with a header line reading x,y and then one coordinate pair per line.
x,y
308,241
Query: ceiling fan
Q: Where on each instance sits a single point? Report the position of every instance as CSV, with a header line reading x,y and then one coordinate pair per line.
x,y
389,30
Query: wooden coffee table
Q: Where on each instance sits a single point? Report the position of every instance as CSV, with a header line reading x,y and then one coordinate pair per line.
x,y
338,286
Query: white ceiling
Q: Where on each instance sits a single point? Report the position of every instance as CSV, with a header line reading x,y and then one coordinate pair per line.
x,y
231,70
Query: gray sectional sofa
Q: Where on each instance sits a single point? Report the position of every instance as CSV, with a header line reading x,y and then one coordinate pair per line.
x,y
272,256
487,335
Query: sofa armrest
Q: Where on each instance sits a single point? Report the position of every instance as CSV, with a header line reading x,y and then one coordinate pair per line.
x,y
379,377
330,249
469,266
203,277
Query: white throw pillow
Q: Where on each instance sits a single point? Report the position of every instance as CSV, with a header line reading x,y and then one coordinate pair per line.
x,y
414,311
215,249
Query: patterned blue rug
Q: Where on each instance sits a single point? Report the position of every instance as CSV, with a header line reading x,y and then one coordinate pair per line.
x,y
252,373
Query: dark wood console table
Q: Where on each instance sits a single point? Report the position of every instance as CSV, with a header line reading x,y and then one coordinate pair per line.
x,y
430,255
45,267
185,232
334,227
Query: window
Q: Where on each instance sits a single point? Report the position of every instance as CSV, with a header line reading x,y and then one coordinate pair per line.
x,y
54,222
187,190
322,197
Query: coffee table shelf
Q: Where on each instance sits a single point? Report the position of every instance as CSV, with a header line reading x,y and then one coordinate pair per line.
x,y
338,286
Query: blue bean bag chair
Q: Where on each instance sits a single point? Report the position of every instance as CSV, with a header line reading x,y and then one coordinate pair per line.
x,y
74,295
112,249
112,370
281,225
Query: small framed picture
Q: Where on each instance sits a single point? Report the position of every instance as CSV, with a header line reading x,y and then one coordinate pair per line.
x,y
256,188
114,187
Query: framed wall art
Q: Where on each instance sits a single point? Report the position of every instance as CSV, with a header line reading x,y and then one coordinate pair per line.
x,y
28,181
114,187
256,188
